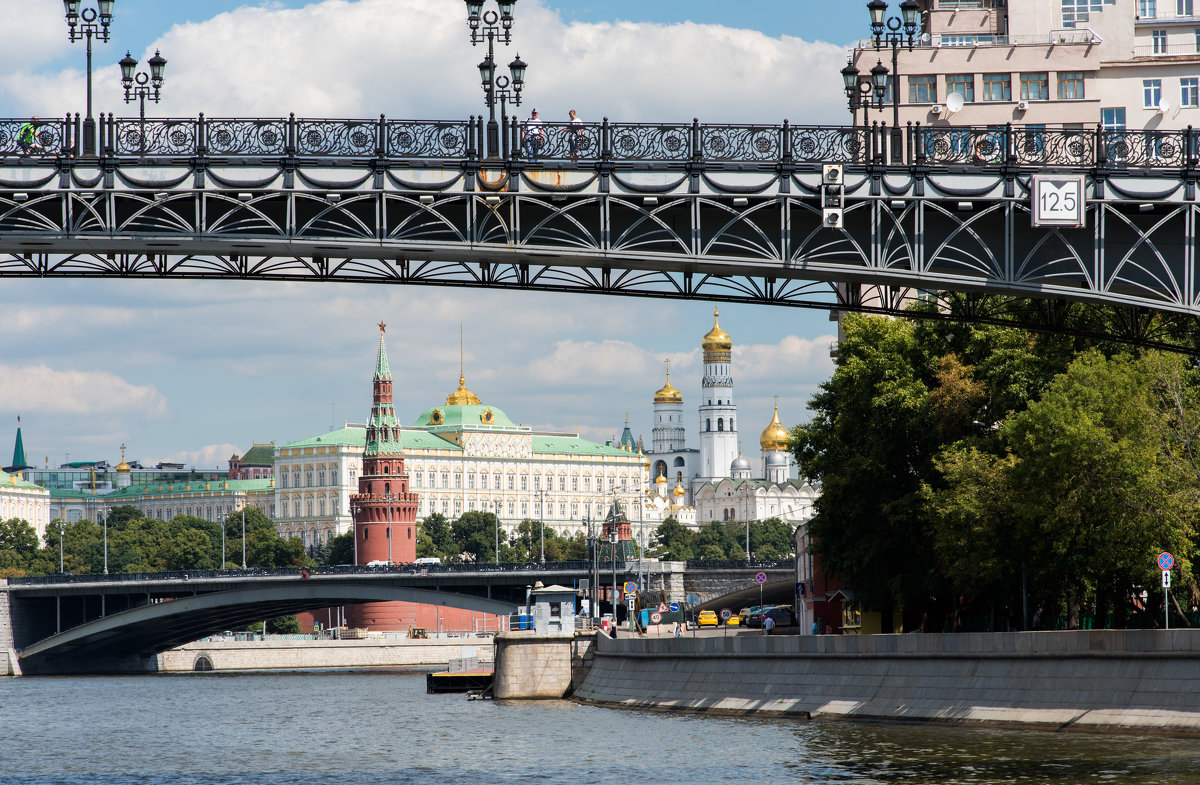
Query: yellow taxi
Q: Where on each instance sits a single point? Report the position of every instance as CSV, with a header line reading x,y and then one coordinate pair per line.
x,y
707,619
734,621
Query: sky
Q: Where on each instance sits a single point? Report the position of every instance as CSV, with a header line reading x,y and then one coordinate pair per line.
x,y
194,371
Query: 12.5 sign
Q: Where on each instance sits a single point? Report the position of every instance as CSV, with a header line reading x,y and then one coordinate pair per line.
x,y
1057,200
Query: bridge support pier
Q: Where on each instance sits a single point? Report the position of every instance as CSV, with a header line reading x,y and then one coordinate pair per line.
x,y
538,666
9,665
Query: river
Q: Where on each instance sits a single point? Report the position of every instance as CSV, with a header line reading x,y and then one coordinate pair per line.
x,y
306,728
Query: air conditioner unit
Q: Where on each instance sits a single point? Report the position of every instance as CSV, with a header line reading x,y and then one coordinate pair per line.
x,y
1022,106
935,109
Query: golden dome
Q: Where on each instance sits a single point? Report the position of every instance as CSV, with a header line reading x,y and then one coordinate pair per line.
x,y
123,467
717,340
668,393
679,491
462,396
662,478
775,437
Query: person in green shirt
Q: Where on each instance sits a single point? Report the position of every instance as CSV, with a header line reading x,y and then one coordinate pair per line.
x,y
27,137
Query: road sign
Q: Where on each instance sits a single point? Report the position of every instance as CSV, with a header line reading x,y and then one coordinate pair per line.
x,y
760,578
1166,579
1165,561
630,587
632,603
1058,200
674,607
662,606
801,588
692,598
656,617
726,614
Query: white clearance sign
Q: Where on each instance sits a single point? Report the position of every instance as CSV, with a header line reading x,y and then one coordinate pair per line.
x,y
1057,200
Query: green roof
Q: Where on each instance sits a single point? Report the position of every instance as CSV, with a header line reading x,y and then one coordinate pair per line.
x,y
217,486
356,436
260,455
465,416
19,449
574,445
6,482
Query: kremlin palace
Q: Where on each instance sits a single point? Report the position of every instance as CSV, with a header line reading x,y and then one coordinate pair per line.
x,y
459,456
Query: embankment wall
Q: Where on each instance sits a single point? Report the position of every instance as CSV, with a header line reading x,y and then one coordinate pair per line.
x,y
1095,679
267,655
9,665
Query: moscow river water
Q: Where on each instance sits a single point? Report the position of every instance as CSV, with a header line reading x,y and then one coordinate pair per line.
x,y
306,728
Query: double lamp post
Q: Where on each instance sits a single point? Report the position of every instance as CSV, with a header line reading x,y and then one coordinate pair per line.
x,y
85,24
493,26
896,32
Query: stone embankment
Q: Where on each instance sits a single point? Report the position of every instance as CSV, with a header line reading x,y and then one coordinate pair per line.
x,y
1095,679
228,655
9,666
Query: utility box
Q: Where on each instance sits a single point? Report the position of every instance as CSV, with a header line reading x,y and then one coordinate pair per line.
x,y
553,609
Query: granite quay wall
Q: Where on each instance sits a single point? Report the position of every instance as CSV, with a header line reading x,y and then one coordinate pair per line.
x,y
9,666
1093,679
286,655
532,665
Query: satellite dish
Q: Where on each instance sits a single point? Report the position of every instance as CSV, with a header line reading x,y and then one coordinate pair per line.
x,y
954,102
925,38
1164,106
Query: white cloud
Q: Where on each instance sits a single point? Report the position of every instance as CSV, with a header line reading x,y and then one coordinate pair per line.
x,y
39,388
212,456
412,58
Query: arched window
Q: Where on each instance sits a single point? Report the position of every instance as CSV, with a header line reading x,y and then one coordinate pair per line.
x,y
482,480
496,481
471,480
445,479
512,479
283,480
320,476
308,478
720,423
308,507
562,482
524,482
321,506
387,487
708,425
458,479
333,477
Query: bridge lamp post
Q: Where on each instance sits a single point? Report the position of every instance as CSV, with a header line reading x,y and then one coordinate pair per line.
x,y
901,31
491,26
83,26
389,498
62,529
861,88
106,541
140,86
243,535
542,516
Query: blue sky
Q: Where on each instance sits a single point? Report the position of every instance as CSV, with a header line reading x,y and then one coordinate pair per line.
x,y
193,371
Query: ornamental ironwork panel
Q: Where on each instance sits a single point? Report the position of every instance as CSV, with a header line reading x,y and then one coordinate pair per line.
x,y
740,142
561,141
52,135
651,142
154,137
421,139
828,144
336,137
246,137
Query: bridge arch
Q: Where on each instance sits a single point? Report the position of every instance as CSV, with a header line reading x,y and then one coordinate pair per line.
x,y
140,633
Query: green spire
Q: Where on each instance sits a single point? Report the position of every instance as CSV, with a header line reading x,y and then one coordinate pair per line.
x,y
382,371
18,461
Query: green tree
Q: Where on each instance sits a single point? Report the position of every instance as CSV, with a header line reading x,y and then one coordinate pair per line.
x,y
718,541
18,545
339,550
434,538
284,625
771,538
475,536
673,541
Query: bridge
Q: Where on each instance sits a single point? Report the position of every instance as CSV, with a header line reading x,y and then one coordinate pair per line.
x,y
112,623
676,210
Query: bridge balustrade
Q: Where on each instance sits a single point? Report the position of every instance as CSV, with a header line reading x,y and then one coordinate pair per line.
x,y
675,145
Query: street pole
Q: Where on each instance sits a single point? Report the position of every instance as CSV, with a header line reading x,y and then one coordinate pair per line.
x,y
61,534
106,542
615,592
543,517
497,539
84,26
389,530
747,541
243,536
223,544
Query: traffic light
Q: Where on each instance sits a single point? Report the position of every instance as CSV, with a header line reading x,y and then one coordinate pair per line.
x,y
833,195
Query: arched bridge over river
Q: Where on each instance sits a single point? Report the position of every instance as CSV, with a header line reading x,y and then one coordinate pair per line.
x,y
80,623
683,210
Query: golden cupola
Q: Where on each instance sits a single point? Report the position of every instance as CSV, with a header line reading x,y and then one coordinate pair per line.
x,y
775,437
668,393
679,492
462,396
716,340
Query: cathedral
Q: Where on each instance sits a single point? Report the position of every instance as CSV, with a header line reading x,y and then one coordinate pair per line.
x,y
717,482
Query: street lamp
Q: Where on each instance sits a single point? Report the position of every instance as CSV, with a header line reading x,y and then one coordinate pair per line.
x,y
542,516
900,31
243,536
83,26
389,498
106,541
491,26
140,86
61,533
861,88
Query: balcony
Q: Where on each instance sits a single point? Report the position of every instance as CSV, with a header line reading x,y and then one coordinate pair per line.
x,y
1172,49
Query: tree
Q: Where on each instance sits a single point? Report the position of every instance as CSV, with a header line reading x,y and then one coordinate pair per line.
x,y
339,550
674,541
719,542
474,536
771,538
434,538
18,545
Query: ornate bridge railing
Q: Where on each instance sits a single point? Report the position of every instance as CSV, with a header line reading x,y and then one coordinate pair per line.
x,y
675,145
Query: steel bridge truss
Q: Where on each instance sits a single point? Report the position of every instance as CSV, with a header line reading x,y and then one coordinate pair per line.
x,y
746,230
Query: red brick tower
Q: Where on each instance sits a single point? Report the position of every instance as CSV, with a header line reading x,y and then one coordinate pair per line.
x,y
385,511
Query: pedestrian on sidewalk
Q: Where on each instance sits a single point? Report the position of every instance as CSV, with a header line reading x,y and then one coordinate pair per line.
x,y
768,625
534,136
576,136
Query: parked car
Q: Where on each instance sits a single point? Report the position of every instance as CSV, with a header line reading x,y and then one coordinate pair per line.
x,y
707,619
755,619
744,614
734,621
784,617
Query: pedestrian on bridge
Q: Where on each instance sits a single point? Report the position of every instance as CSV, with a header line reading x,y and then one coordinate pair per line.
x,y
27,137
576,136
534,136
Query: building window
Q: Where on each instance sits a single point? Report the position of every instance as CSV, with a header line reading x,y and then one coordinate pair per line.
x,y
511,481
510,508
1151,93
537,482
1076,11
458,480
575,482
308,479
963,84
1160,41
562,509
708,425
1035,86
997,87
283,480
1189,87
483,481
1184,8
445,479
296,479
321,506
1113,119
445,507
471,481
922,89
321,477
587,483
574,509
1147,9
1197,32
1070,85
524,482
562,482
283,507
416,479
308,507
333,478
720,423
524,509
496,480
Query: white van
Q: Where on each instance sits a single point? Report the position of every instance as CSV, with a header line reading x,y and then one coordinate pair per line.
x,y
378,563
427,560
